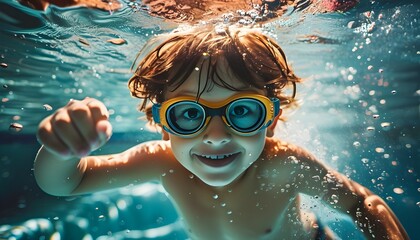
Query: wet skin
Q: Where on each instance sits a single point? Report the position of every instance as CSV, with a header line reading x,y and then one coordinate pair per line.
x,y
252,194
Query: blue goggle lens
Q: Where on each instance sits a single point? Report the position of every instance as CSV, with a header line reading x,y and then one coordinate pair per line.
x,y
186,117
245,115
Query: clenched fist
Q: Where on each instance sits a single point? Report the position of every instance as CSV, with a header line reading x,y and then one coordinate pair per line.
x,y
76,129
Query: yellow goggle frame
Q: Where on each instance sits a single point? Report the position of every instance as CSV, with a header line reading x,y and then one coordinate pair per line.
x,y
270,108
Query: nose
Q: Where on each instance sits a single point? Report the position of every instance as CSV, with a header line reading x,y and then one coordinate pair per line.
x,y
216,132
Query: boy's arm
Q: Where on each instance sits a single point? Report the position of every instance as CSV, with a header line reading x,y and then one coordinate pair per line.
x,y
367,209
57,176
62,166
142,163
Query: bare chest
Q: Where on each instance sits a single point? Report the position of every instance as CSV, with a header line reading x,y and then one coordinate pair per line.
x,y
255,211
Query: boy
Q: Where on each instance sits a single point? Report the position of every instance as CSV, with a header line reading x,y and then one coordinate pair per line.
x,y
217,94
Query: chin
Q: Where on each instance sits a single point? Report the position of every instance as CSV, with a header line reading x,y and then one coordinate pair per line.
x,y
218,182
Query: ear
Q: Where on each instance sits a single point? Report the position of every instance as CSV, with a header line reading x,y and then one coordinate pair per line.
x,y
165,135
270,129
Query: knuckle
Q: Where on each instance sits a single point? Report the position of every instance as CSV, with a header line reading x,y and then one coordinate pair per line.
x,y
80,112
61,123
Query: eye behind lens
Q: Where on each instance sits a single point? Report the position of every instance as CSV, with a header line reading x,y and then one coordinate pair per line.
x,y
251,118
185,117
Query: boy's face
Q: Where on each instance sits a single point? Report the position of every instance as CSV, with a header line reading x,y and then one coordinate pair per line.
x,y
218,155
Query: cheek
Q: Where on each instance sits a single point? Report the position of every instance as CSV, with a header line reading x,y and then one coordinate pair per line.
x,y
180,146
254,144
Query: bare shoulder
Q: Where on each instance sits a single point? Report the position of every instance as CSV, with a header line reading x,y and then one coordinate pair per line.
x,y
281,150
293,164
154,155
282,161
156,147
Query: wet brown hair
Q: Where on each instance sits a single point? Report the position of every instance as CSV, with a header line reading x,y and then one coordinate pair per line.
x,y
252,57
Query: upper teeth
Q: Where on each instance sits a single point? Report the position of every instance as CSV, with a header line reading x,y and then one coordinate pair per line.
x,y
217,156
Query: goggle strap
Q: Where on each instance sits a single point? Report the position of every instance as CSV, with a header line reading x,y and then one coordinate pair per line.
x,y
276,103
156,112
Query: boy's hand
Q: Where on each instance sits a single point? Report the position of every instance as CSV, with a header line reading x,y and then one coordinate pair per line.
x,y
76,129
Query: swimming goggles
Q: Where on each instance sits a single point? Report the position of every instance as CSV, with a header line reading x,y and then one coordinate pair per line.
x,y
245,113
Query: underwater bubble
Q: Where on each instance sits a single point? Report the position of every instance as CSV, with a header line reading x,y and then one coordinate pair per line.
x,y
197,69
379,150
117,41
316,178
390,199
5,86
15,127
356,144
47,107
393,92
334,198
398,190
418,204
370,128
373,109
350,24
386,126
365,160
293,159
215,196
370,131
375,116
3,65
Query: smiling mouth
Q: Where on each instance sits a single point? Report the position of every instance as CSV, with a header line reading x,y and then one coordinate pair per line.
x,y
217,160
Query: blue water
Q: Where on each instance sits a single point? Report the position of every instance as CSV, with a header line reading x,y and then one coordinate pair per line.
x,y
359,113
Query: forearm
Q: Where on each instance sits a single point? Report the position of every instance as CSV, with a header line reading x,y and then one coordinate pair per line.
x,y
57,176
377,220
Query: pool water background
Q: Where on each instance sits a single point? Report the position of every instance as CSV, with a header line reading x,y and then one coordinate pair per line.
x,y
359,113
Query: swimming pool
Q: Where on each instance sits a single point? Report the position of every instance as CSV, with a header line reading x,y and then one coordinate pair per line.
x,y
360,109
